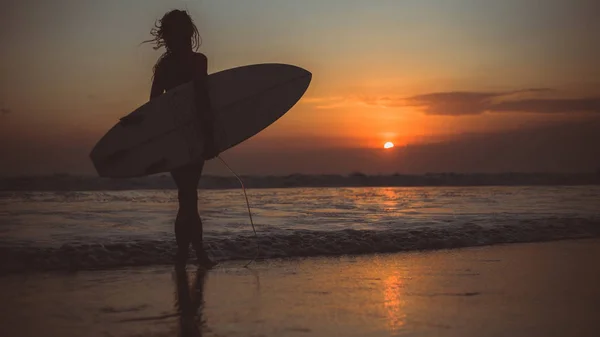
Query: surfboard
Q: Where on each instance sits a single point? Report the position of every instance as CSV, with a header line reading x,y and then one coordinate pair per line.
x,y
165,133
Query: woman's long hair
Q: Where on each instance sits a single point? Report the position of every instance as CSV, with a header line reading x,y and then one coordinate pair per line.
x,y
175,30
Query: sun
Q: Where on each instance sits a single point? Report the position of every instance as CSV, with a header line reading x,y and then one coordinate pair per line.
x,y
388,145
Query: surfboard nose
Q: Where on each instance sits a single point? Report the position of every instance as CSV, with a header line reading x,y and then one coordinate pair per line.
x,y
301,74
307,74
302,71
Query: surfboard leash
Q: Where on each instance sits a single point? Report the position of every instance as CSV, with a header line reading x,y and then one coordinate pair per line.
x,y
249,211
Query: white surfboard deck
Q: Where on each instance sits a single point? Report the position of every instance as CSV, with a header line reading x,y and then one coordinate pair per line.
x,y
167,134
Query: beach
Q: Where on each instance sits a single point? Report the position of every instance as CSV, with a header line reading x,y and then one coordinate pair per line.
x,y
533,289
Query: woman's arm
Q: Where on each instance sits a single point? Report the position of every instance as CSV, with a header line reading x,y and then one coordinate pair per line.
x,y
157,84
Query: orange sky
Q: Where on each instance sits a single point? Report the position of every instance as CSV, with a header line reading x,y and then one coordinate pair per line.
x,y
410,72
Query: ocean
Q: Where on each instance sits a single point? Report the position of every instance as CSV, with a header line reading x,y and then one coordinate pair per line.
x,y
108,229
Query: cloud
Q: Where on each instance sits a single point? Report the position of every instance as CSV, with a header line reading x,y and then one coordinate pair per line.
x,y
334,102
475,103
458,104
328,102
463,103
549,106
452,103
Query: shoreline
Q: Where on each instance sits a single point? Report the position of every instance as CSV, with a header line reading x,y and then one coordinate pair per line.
x,y
74,266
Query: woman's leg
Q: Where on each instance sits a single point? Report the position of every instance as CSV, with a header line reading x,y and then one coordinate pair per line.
x,y
188,226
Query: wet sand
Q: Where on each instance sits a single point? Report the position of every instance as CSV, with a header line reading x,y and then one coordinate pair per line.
x,y
536,289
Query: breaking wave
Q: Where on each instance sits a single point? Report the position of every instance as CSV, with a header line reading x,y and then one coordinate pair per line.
x,y
294,243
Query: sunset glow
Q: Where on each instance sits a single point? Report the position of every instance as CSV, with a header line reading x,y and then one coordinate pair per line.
x,y
412,73
388,145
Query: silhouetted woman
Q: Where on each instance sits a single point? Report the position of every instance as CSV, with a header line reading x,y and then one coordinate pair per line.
x,y
181,63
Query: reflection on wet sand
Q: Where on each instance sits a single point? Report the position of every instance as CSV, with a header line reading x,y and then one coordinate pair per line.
x,y
189,302
394,302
